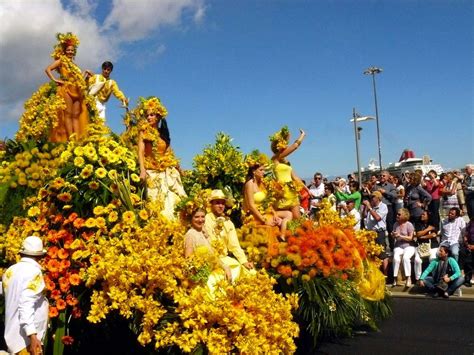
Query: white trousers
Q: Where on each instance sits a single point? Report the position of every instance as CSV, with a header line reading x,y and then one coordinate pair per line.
x,y
407,253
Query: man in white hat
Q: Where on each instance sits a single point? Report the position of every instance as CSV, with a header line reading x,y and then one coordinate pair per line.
x,y
26,308
219,227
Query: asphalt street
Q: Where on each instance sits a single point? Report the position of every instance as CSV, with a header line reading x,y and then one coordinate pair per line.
x,y
417,326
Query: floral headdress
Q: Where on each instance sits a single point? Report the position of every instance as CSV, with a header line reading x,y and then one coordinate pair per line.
x,y
255,158
279,140
189,205
64,40
152,104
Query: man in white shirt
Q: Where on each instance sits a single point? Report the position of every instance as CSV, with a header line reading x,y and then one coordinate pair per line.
x,y
26,307
376,220
316,191
349,209
220,227
452,230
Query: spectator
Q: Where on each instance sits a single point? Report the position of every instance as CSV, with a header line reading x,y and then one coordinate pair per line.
x,y
353,195
452,229
375,213
349,209
469,190
26,306
402,233
466,254
329,194
389,193
425,232
446,274
316,191
434,187
416,198
449,196
397,182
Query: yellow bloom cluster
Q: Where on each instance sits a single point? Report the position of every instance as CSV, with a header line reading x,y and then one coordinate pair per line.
x,y
245,317
255,158
152,104
31,168
279,140
41,113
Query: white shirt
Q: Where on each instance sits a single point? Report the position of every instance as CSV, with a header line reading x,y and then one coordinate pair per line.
x,y
354,213
371,223
26,307
451,231
317,193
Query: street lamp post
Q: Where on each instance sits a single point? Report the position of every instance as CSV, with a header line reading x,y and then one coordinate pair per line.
x,y
358,118
372,71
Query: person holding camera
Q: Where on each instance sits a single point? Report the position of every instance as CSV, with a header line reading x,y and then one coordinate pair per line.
x,y
445,274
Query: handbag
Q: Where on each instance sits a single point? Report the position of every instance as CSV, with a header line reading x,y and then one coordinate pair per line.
x,y
424,249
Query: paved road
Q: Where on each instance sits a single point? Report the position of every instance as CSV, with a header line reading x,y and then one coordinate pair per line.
x,y
417,326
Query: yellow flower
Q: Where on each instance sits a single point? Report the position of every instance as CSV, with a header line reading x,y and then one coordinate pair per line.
x,y
99,210
128,217
90,222
101,173
113,174
143,215
79,151
33,211
135,177
113,216
79,162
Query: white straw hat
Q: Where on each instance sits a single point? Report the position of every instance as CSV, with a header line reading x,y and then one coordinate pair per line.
x,y
32,246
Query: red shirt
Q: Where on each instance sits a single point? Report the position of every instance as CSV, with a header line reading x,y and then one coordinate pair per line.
x,y
434,191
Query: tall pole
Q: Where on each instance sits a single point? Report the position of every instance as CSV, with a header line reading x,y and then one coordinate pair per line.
x,y
372,71
356,136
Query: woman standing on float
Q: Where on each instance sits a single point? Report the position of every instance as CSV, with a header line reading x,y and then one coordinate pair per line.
x,y
71,87
158,165
285,175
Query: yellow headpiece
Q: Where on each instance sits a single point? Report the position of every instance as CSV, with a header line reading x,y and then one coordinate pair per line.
x,y
279,140
255,158
64,40
152,104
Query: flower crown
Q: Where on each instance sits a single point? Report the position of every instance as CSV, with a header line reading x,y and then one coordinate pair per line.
x,y
193,202
279,140
255,158
152,104
64,40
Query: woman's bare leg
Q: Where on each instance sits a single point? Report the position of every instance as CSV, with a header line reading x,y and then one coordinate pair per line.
x,y
295,210
285,216
76,110
68,115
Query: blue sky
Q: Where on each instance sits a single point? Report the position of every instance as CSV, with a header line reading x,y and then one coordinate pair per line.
x,y
248,67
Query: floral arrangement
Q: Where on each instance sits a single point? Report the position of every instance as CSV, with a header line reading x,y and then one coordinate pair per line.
x,y
279,140
256,158
64,40
152,104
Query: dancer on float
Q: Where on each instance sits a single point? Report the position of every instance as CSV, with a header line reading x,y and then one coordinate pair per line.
x,y
284,172
255,196
71,87
158,166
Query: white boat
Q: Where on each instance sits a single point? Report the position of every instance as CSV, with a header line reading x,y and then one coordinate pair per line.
x,y
406,164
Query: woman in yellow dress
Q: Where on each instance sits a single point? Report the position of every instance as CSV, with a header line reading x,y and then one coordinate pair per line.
x,y
158,165
255,196
71,87
285,175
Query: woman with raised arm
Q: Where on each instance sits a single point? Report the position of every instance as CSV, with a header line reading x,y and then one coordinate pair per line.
x,y
71,86
291,183
158,165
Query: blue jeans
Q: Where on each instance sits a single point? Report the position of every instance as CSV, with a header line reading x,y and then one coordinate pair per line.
x,y
454,249
452,285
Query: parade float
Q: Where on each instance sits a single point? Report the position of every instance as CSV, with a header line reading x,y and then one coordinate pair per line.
x,y
115,272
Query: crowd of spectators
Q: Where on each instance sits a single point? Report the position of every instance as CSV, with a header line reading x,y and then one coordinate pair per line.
x,y
419,218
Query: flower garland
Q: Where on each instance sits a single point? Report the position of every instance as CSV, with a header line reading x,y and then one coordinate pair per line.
x,y
279,140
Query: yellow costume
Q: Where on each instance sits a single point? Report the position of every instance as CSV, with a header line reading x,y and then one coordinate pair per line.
x,y
222,232
74,87
101,88
290,195
164,181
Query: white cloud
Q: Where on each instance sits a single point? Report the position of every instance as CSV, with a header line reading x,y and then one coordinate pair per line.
x,y
28,29
132,20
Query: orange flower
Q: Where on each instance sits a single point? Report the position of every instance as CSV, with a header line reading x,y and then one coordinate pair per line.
x,y
52,265
71,300
60,304
72,217
67,340
78,223
74,279
76,312
50,285
53,252
55,294
64,284
53,312
64,265
63,253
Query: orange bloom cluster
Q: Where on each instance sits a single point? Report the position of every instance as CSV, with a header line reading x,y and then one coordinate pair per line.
x,y
62,270
316,251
